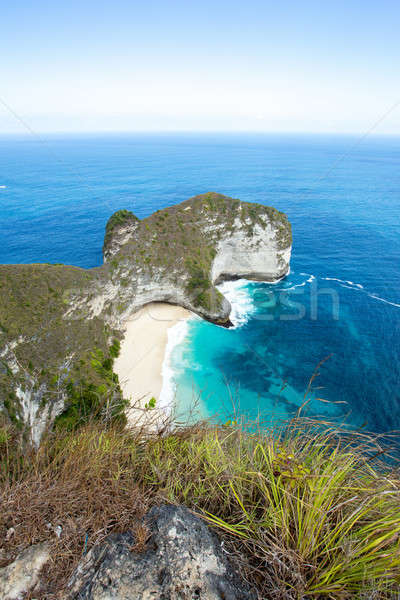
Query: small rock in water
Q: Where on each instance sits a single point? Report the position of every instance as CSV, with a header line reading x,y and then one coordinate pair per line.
x,y
183,560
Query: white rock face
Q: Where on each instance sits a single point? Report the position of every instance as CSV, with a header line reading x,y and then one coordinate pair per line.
x,y
120,237
22,575
35,414
145,290
258,257
35,409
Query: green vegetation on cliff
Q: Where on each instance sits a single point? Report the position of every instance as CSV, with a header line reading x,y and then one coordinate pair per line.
x,y
49,354
33,296
95,393
179,244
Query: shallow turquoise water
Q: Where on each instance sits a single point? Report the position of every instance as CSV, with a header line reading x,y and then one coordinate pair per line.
x,y
343,200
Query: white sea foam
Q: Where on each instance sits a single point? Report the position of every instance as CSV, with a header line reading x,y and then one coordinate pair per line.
x,y
310,277
3,187
292,287
240,300
358,287
176,335
383,300
345,282
278,280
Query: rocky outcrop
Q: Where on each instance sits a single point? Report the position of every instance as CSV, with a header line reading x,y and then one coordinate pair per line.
x,y
119,229
179,254
22,575
183,560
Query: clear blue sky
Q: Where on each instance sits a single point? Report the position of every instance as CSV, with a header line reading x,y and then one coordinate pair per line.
x,y
212,65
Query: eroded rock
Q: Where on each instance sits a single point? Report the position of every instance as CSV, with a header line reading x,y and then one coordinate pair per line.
x,y
180,253
183,560
22,575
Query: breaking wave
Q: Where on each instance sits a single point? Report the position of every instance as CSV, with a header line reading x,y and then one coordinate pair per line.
x,y
241,300
176,335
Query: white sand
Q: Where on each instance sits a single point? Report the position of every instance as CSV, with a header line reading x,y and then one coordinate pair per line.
x,y
139,365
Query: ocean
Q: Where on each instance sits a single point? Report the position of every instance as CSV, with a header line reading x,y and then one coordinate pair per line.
x,y
337,313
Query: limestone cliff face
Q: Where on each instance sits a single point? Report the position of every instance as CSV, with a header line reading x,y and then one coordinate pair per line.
x,y
258,257
179,254
58,323
119,229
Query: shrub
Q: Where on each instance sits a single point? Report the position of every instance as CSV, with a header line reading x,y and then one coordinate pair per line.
x,y
95,399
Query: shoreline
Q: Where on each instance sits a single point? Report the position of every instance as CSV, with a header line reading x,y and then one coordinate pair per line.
x,y
143,363
150,336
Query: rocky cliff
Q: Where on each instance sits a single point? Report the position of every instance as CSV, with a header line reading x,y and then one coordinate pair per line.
x,y
60,325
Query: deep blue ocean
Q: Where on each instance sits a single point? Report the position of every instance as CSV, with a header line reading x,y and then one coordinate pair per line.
x,y
341,299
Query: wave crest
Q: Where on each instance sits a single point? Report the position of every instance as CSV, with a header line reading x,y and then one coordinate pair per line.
x,y
240,299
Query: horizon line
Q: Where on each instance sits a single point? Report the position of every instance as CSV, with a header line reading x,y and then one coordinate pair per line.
x,y
191,132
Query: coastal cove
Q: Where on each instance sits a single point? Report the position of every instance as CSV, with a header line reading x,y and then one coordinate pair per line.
x,y
345,218
76,319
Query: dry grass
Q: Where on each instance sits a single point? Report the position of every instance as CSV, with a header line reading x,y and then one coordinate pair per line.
x,y
81,485
306,510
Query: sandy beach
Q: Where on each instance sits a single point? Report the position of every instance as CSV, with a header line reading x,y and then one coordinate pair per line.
x,y
139,365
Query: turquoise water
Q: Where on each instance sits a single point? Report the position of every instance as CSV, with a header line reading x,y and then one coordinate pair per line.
x,y
343,199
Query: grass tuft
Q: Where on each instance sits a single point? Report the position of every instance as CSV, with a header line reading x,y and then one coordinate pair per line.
x,y
306,510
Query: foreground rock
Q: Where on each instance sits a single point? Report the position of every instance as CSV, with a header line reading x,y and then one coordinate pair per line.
x,y
22,575
183,560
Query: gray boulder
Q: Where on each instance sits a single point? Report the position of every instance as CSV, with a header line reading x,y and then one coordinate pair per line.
x,y
22,575
183,560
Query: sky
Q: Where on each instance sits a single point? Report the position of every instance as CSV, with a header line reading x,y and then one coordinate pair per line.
x,y
174,65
